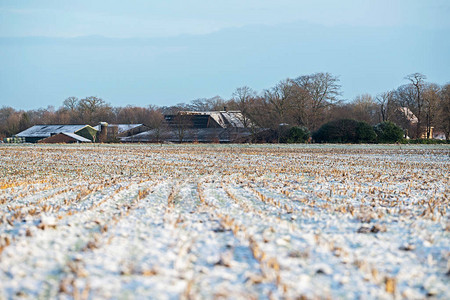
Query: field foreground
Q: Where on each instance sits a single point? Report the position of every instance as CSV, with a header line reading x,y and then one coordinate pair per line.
x,y
237,222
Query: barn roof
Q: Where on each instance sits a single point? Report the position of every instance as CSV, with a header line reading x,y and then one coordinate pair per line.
x,y
409,115
77,137
48,130
121,128
224,119
234,118
64,137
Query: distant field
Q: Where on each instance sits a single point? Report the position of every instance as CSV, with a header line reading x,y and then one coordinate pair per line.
x,y
232,221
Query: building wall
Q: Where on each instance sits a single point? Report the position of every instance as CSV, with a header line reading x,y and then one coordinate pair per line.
x,y
34,139
134,131
112,134
87,132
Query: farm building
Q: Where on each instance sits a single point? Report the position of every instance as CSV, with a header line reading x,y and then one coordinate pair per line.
x,y
410,124
66,138
208,119
191,135
203,127
186,126
114,132
39,132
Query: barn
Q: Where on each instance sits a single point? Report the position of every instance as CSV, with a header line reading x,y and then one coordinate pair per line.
x,y
39,132
65,138
202,127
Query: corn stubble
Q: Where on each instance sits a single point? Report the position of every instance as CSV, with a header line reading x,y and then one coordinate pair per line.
x,y
234,221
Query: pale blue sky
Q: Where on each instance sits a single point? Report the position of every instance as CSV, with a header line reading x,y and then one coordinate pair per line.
x,y
165,52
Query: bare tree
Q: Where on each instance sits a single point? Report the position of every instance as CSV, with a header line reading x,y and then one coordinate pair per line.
x,y
64,117
261,116
70,108
71,103
300,106
280,99
386,105
134,114
9,121
93,110
431,102
13,123
181,124
157,123
443,114
364,108
174,109
199,105
418,82
404,115
324,90
242,100
91,103
215,103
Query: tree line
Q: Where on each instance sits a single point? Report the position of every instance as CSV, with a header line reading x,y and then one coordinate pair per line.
x,y
308,101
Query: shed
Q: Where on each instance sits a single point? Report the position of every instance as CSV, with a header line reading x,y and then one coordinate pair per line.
x,y
38,132
65,137
88,132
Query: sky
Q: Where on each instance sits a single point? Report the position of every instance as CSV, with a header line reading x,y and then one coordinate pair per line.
x,y
166,52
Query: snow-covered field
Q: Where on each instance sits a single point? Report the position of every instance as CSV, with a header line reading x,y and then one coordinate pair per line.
x,y
233,221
